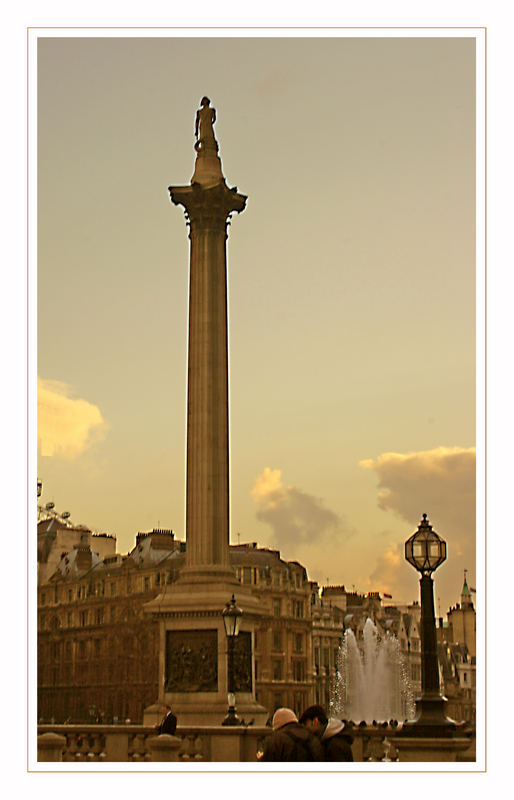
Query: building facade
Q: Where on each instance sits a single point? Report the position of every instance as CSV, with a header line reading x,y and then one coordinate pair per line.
x,y
327,636
98,650
283,641
457,657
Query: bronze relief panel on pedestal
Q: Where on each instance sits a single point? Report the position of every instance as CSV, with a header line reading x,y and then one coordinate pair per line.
x,y
191,661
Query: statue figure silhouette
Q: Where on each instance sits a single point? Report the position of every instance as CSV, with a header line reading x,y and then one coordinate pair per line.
x,y
205,119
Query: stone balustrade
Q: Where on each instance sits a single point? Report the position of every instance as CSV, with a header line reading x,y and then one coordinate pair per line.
x,y
139,743
192,744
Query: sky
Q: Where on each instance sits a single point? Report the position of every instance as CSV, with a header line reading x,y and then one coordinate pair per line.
x,y
351,292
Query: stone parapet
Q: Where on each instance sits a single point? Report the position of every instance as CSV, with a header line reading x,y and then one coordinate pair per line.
x,y
427,748
163,747
215,743
50,746
140,744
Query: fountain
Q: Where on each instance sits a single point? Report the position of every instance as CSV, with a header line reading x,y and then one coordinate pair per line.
x,y
372,684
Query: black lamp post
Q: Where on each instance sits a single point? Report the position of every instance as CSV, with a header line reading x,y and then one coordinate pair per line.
x,y
426,551
232,619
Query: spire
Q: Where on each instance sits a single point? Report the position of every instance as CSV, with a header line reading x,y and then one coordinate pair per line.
x,y
465,595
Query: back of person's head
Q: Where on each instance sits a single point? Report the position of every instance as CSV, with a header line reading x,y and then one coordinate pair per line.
x,y
283,716
314,712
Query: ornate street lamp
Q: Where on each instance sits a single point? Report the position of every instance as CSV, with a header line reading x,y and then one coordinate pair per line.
x,y
426,551
232,619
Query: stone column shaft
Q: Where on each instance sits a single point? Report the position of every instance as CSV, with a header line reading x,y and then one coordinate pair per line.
x,y
207,481
207,495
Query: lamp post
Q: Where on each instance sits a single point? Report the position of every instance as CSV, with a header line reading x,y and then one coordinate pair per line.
x,y
426,551
232,619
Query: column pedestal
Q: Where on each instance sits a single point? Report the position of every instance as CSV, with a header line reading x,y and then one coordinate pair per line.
x,y
193,668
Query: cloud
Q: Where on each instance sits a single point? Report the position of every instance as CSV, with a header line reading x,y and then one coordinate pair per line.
x,y
267,490
440,483
294,516
67,426
385,577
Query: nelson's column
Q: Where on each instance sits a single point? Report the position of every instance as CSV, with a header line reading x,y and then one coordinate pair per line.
x,y
193,645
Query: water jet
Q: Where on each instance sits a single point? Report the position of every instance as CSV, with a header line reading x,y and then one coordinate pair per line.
x,y
372,682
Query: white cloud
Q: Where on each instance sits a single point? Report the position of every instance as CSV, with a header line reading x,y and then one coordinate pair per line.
x,y
267,490
67,426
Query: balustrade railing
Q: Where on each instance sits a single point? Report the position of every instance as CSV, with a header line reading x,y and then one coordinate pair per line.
x,y
136,743
193,744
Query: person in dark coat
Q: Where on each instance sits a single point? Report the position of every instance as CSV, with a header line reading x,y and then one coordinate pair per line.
x,y
169,721
336,744
291,741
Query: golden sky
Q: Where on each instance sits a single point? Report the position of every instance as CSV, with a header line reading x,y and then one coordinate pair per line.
x,y
351,291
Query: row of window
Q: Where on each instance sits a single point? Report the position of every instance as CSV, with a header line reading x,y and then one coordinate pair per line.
x,y
247,575
297,641
278,639
57,650
252,575
324,654
73,619
296,608
278,671
296,700
81,618
104,588
94,648
83,673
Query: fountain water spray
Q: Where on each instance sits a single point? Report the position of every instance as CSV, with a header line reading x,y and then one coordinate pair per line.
x,y
372,684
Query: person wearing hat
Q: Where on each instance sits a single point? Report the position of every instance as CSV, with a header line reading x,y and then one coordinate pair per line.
x,y
336,744
291,741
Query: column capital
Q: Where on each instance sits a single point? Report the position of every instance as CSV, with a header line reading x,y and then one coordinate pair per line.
x,y
208,207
